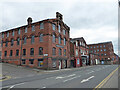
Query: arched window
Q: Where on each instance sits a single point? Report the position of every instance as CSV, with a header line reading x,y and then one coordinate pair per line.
x,y
59,38
18,41
32,39
53,38
12,42
41,38
24,40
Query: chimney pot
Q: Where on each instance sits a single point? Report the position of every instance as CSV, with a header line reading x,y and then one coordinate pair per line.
x,y
29,20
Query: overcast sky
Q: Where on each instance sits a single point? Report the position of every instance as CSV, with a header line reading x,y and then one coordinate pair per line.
x,y
95,20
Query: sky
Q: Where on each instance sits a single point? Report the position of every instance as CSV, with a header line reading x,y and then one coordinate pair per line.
x,y
95,20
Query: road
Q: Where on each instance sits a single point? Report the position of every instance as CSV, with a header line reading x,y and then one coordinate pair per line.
x,y
86,77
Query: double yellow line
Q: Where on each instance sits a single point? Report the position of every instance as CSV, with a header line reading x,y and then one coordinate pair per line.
x,y
105,80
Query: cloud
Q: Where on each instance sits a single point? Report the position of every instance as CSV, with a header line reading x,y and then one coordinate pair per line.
x,y
95,20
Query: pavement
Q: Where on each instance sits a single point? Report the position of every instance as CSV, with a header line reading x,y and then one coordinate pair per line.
x,y
86,77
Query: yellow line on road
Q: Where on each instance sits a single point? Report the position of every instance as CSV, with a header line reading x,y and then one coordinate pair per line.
x,y
105,80
6,78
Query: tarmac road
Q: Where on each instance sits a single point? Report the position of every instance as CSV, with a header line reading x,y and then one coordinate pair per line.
x,y
87,77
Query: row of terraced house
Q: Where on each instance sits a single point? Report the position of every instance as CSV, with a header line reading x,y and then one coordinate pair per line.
x,y
47,44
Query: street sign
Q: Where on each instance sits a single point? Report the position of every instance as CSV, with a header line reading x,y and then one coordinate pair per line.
x,y
45,54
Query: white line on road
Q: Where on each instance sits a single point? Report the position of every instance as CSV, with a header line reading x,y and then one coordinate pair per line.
x,y
85,80
15,85
43,87
58,70
90,72
50,77
66,76
71,79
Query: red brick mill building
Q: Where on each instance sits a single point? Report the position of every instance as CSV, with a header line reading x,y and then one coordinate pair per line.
x,y
104,50
79,52
43,44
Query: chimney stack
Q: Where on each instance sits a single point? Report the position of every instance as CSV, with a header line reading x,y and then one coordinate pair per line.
x,y
59,16
29,20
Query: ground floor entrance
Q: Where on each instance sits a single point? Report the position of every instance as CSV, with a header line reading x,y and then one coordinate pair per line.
x,y
85,60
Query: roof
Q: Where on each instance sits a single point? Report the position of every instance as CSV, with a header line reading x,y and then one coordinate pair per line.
x,y
79,38
39,22
27,25
100,43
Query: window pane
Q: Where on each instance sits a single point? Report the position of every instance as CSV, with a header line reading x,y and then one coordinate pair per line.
x,y
64,52
7,34
54,51
12,33
25,40
59,40
32,39
64,32
23,61
32,51
17,52
53,26
11,52
64,41
12,42
18,41
60,52
6,44
31,61
2,35
76,52
33,28
40,51
59,28
18,31
41,26
5,53
41,38
24,52
25,29
53,38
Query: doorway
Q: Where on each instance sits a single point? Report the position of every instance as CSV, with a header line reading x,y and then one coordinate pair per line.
x,y
60,64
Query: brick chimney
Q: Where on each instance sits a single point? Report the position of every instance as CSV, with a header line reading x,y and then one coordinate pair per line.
x,y
59,16
29,20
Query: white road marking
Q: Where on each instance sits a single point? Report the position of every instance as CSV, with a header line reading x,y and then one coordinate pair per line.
x,y
57,70
43,87
15,85
90,72
50,77
71,79
85,80
65,76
